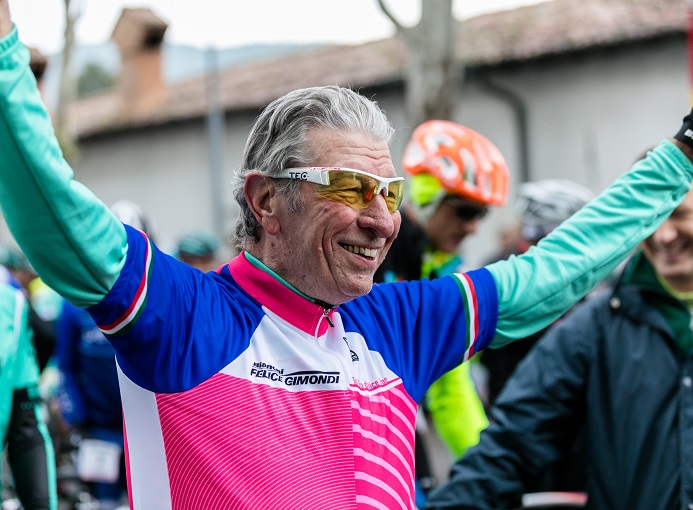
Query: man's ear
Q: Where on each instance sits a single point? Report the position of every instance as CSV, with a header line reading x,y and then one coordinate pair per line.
x,y
261,196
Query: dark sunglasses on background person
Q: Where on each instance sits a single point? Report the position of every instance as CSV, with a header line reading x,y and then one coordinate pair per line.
x,y
348,186
468,211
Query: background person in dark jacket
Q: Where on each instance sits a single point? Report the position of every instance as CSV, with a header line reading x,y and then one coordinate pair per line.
x,y
619,366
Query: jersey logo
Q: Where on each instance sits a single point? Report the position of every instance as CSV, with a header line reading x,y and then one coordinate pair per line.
x,y
354,356
305,377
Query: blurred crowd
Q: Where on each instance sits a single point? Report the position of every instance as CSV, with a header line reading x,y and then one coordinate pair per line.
x,y
78,379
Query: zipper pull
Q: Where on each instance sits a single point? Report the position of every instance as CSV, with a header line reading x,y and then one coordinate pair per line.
x,y
325,313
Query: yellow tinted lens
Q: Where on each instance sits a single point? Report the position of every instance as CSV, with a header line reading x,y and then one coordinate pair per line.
x,y
395,191
358,190
344,188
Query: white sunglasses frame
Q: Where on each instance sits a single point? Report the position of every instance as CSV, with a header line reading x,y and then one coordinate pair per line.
x,y
320,175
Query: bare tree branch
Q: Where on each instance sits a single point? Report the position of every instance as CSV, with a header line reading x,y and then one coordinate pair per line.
x,y
73,11
432,75
391,17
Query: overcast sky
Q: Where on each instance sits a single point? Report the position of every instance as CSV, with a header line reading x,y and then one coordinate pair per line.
x,y
228,23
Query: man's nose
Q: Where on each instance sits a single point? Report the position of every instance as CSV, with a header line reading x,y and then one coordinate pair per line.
x,y
666,233
377,217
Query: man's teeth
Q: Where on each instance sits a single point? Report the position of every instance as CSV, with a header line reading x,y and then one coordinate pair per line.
x,y
360,250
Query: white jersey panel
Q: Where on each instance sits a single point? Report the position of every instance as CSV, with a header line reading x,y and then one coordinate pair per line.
x,y
148,472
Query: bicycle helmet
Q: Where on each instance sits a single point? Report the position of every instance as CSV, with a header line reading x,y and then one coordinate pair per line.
x,y
543,205
131,214
444,156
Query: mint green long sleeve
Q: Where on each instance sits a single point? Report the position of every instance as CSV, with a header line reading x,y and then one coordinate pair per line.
x,y
71,238
536,288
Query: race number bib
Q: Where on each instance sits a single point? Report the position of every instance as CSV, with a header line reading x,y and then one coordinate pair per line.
x,y
98,461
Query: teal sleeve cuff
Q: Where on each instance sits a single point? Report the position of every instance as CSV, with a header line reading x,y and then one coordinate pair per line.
x,y
72,240
8,42
536,288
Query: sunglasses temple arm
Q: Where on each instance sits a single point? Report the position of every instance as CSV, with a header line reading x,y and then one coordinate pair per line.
x,y
321,177
301,174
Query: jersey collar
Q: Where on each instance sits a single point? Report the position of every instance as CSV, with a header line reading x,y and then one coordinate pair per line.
x,y
279,296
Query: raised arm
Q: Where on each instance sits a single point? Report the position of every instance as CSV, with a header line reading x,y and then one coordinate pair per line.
x,y
5,20
73,241
537,287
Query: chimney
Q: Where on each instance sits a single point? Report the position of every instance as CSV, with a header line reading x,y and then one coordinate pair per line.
x,y
139,34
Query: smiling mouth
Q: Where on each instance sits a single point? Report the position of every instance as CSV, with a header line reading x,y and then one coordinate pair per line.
x,y
672,251
367,253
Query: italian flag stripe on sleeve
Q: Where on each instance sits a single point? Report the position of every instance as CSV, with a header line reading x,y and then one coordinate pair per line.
x,y
471,313
130,316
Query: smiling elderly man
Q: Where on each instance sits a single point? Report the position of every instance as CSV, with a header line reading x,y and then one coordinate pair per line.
x,y
285,379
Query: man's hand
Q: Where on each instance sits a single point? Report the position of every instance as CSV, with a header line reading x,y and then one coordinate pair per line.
x,y
684,138
5,20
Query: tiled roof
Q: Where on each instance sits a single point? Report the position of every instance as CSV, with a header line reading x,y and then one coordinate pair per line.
x,y
530,32
561,26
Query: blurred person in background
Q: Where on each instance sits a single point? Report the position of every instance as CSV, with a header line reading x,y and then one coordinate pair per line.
x,y
541,206
618,371
89,394
30,453
510,240
44,303
456,175
198,248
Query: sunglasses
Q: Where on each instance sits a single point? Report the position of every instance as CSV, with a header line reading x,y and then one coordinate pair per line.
x,y
467,211
354,188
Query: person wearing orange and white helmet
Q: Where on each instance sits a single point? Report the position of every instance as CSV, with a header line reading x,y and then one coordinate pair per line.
x,y
456,174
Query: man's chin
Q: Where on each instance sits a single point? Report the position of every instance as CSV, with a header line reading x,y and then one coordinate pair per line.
x,y
356,288
678,277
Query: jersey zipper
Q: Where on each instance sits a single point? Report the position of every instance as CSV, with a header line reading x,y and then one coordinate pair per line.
x,y
325,315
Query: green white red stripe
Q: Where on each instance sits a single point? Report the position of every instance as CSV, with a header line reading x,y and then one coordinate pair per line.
x,y
135,308
471,313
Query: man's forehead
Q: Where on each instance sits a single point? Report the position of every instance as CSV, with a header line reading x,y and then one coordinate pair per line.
x,y
344,138
351,149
